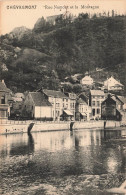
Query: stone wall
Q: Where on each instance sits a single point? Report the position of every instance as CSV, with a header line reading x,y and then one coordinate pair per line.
x,y
22,126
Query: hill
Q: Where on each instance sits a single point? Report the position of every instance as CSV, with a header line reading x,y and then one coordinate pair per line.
x,y
48,53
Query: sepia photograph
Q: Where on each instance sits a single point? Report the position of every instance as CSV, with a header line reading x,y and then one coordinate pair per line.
x,y
62,97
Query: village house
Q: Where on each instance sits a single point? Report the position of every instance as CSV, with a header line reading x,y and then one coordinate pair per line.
x,y
123,99
72,97
87,80
119,102
84,97
112,84
83,111
35,106
60,104
96,97
4,100
109,109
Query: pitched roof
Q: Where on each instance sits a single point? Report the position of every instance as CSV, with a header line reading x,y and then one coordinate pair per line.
x,y
97,92
114,82
109,97
83,94
122,98
72,96
54,93
39,99
114,98
3,87
87,78
80,101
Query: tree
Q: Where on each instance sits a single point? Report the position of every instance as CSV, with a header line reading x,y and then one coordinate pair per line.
x,y
77,88
68,87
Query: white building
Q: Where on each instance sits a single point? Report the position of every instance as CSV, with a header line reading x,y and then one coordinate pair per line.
x,y
83,111
95,99
113,85
36,106
87,80
72,97
60,103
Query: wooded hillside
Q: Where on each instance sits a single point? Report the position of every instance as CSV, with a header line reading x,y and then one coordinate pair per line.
x,y
45,55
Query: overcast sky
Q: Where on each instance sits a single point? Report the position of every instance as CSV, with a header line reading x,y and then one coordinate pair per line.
x,y
12,16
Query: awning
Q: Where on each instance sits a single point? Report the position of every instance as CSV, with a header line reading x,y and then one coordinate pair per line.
x,y
68,112
83,113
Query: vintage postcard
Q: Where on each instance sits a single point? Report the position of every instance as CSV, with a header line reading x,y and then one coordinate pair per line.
x,y
62,97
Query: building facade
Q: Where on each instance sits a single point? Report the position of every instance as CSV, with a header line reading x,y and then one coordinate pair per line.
x,y
96,97
72,97
119,102
35,106
87,80
4,103
112,84
109,109
83,111
59,101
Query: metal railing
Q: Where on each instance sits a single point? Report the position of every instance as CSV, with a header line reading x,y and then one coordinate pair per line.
x,y
6,121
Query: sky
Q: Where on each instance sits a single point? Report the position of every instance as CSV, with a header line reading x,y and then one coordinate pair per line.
x,y
15,13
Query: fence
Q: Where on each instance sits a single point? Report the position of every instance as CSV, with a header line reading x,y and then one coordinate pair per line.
x,y
5,121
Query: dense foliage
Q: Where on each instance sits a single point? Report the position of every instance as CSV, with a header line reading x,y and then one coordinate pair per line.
x,y
44,56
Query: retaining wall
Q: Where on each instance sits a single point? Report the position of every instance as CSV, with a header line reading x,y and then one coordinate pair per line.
x,y
22,127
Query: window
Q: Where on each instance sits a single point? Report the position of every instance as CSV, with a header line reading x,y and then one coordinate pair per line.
x,y
66,100
93,103
3,100
98,103
57,104
98,111
93,112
